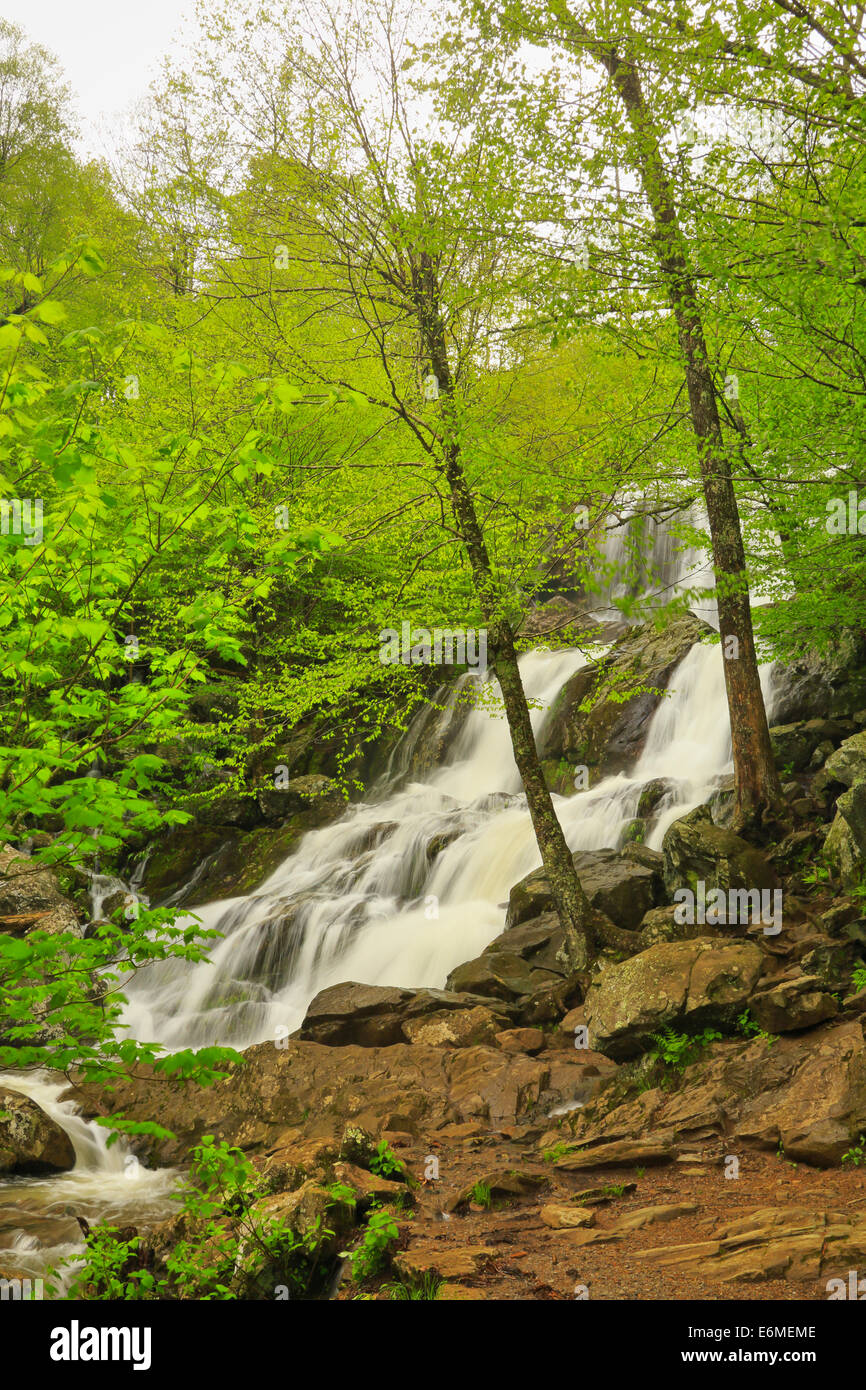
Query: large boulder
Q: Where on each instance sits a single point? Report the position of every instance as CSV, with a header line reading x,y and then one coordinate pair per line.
x,y
382,1016
687,985
624,884
848,763
30,1141
591,724
695,850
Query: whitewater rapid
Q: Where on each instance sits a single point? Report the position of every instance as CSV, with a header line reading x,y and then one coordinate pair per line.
x,y
362,900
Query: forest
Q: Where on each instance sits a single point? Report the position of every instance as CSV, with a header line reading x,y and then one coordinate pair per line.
x,y
433,658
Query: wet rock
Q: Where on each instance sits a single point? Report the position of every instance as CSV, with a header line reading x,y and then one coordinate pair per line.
x,y
30,1141
653,794
688,985
609,735
310,792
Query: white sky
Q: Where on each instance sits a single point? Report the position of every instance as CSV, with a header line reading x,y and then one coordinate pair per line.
x,y
108,49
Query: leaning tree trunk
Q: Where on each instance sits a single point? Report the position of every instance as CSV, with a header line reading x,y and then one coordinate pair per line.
x,y
758,790
584,927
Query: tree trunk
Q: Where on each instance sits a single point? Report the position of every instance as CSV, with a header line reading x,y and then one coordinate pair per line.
x,y
583,925
758,790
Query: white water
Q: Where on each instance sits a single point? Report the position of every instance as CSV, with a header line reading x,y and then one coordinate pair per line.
x,y
363,900
360,899
38,1228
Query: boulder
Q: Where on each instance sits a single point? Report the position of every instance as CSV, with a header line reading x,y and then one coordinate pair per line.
x,y
806,1092
453,1027
842,851
848,763
794,745
624,884
377,1015
851,805
503,1184
687,985
696,850
792,1004
30,1141
591,724
30,897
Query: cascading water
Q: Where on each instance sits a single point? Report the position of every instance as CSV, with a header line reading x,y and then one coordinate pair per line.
x,y
365,900
38,1226
403,888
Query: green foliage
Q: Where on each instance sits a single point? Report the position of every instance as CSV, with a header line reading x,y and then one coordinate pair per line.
x,y
371,1255
232,1251
678,1050
386,1164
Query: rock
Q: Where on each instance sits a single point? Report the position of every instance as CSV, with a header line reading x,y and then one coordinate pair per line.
x,y
851,805
848,763
842,851
689,985
640,1217
308,1208
503,1184
379,1016
659,925
824,687
322,1089
453,1028
795,744
795,1243
588,726
448,1264
623,884
30,1141
310,792
618,1154
560,1217
370,1187
653,794
797,1003
29,890
499,975
529,1040
696,850
820,1110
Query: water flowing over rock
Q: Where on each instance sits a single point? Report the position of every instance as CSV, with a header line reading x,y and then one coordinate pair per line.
x,y
30,1141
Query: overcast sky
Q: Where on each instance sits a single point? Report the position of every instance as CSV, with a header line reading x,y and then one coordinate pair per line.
x,y
109,49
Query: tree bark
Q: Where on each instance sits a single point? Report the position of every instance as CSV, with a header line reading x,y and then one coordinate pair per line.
x,y
758,790
585,928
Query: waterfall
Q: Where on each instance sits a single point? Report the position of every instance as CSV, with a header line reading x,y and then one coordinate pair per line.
x,y
38,1226
367,899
